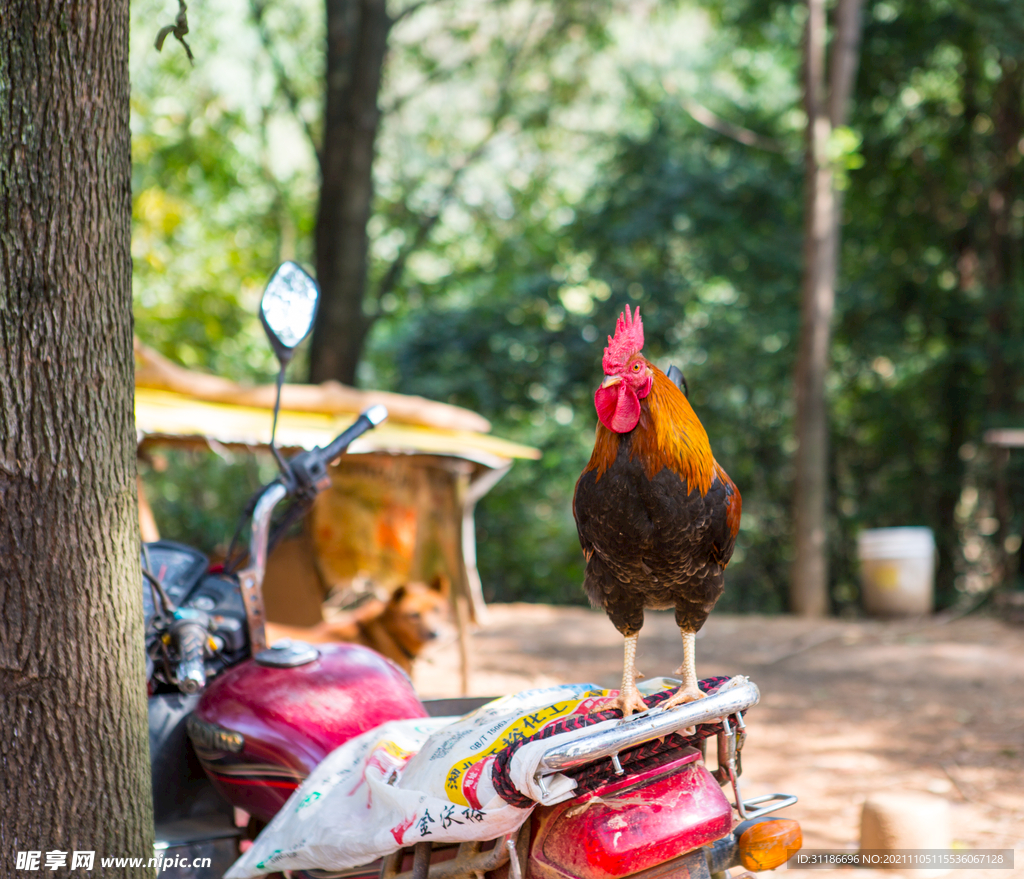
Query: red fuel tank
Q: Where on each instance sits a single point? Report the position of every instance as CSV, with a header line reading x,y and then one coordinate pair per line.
x,y
259,730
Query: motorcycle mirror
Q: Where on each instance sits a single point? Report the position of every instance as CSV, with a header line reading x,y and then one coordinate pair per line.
x,y
288,309
287,312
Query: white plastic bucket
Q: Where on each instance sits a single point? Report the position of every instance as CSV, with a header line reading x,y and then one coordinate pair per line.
x,y
897,571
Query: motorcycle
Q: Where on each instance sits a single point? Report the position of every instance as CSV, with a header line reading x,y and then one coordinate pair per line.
x,y
235,725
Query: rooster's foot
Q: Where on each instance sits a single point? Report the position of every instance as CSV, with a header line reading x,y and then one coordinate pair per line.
x,y
681,696
627,702
685,694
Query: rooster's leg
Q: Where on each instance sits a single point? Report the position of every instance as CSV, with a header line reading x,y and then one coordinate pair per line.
x,y
628,699
688,690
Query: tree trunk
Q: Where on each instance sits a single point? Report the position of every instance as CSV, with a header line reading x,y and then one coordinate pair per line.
x,y
826,109
1004,283
357,35
74,743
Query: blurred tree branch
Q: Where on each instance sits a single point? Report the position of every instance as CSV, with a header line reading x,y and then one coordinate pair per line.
x,y
425,222
436,76
350,308
716,123
413,8
257,9
179,30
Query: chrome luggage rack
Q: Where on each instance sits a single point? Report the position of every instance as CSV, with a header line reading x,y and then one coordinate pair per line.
x,y
734,698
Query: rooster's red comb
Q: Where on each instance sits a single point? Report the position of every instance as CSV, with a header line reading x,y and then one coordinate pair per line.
x,y
627,341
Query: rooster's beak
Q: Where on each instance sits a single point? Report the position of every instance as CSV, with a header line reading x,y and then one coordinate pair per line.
x,y
611,381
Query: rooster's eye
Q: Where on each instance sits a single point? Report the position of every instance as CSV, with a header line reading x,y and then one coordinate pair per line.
x,y
637,366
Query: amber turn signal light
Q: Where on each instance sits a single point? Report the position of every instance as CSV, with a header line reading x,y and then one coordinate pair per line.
x,y
767,844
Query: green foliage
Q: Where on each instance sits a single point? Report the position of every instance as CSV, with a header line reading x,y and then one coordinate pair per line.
x,y
928,349
521,333
705,234
214,206
588,183
660,232
198,496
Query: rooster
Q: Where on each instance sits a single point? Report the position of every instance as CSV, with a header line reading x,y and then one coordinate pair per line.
x,y
656,514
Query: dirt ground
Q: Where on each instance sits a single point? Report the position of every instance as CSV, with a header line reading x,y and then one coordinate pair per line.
x,y
847,708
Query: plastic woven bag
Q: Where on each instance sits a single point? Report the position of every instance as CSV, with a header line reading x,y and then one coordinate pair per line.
x,y
409,781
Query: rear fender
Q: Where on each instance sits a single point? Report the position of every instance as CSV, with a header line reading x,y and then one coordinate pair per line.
x,y
631,825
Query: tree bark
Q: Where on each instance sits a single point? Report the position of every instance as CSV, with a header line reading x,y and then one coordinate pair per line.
x,y
357,36
74,767
826,109
1005,283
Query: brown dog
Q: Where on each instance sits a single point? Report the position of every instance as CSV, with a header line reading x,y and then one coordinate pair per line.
x,y
400,628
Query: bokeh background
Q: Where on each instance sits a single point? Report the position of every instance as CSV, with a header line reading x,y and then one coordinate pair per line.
x,y
541,163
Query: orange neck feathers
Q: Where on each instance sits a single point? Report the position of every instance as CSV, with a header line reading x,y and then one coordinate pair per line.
x,y
669,434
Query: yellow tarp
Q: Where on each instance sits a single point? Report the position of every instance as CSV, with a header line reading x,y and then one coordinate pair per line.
x,y
174,416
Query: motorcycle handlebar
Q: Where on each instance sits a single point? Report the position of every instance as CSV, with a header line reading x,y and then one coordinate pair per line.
x,y
308,470
304,476
372,417
190,634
